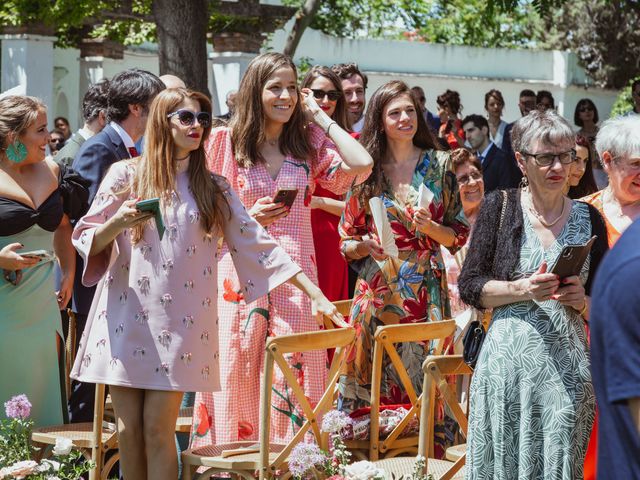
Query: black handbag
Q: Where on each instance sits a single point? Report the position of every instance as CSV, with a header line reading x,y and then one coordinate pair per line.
x,y
474,337
472,343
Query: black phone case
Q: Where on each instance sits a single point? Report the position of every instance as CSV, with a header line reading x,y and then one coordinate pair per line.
x,y
571,259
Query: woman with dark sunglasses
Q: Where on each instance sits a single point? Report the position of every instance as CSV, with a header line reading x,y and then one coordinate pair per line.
x,y
586,117
153,329
326,206
278,138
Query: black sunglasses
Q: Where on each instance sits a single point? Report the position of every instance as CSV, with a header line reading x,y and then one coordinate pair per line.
x,y
332,95
187,117
586,108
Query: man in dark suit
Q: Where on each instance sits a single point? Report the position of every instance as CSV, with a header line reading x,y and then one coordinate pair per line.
x,y
526,103
94,113
129,95
498,170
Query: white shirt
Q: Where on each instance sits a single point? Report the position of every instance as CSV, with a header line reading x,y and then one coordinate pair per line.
x,y
483,155
128,142
499,138
85,133
357,127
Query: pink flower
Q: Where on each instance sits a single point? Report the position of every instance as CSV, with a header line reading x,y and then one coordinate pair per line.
x,y
18,407
19,469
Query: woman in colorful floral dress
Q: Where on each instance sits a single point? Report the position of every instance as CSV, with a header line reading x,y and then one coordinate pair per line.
x,y
270,145
413,287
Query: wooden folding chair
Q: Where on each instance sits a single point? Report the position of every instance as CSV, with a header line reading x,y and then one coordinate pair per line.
x,y
93,439
436,370
385,340
246,458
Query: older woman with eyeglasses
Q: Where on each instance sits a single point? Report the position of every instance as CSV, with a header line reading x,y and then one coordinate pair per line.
x,y
532,401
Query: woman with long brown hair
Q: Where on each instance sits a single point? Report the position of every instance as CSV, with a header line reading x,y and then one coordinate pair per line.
x,y
279,138
411,287
152,333
326,206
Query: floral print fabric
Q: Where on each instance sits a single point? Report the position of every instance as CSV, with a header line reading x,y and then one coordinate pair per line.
x,y
408,289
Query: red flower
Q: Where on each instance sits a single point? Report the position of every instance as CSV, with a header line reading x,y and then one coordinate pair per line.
x,y
230,295
371,293
417,310
406,239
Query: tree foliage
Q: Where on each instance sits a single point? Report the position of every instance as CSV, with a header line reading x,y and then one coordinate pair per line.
x,y
624,103
604,34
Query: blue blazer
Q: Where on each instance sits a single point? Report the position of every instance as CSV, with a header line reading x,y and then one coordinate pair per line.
x,y
499,170
92,162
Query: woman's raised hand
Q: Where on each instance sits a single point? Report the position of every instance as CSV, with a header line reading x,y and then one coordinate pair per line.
x,y
266,212
541,285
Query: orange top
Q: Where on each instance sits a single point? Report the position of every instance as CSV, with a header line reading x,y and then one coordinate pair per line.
x,y
595,199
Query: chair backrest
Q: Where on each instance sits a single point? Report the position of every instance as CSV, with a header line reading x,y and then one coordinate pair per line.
x,y
436,370
385,340
276,349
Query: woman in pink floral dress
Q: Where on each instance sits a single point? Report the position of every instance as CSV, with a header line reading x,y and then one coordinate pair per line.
x,y
270,145
412,287
152,332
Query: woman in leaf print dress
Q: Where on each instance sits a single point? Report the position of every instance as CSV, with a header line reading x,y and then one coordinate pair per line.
x,y
268,146
413,287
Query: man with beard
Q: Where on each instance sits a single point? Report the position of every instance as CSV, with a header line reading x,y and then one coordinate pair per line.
x,y
354,86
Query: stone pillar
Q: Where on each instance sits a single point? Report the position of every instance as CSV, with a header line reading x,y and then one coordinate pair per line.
x,y
27,61
232,53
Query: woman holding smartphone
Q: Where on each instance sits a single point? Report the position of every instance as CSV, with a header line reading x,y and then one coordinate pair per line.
x,y
37,197
152,332
278,138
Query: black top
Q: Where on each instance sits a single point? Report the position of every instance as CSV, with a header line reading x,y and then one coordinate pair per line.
x,y
494,252
70,197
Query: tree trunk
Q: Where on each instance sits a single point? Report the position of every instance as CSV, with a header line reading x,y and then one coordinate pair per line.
x,y
304,16
182,40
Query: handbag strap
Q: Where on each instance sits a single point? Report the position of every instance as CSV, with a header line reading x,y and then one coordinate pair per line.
x,y
504,207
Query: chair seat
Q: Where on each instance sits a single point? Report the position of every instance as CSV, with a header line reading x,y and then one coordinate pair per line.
x,y
405,465
81,434
211,455
454,453
185,417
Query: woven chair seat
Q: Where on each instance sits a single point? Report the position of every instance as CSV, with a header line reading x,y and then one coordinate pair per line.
x,y
405,465
454,453
211,455
81,434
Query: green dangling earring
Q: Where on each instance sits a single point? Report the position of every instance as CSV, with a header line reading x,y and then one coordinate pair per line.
x,y
17,152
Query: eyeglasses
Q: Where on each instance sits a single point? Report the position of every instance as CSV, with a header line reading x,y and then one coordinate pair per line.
x,y
464,179
187,117
56,140
586,108
332,95
547,159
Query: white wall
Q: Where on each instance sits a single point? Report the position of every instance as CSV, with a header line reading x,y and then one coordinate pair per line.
x,y
471,71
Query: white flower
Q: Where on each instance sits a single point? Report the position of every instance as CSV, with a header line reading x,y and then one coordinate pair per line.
x,y
334,421
19,469
53,478
47,465
363,470
63,446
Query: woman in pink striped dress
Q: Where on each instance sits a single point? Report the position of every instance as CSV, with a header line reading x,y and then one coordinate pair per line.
x,y
278,138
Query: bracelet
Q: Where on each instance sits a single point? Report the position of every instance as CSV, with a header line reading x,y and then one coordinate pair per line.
x,y
329,128
584,309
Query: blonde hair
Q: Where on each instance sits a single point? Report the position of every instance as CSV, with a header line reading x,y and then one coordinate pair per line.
x,y
248,121
17,113
156,172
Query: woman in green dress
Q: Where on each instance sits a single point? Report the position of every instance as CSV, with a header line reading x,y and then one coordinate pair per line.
x,y
532,402
36,196
411,287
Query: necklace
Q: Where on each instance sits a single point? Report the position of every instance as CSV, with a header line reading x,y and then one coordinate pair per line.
x,y
273,142
540,218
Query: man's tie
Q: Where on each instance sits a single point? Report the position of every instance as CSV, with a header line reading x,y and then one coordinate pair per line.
x,y
133,152
480,158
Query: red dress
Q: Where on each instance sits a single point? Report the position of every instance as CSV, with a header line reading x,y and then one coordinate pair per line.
x,y
333,273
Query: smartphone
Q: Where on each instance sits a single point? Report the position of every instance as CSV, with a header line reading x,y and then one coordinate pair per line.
x,y
153,205
571,259
286,196
42,255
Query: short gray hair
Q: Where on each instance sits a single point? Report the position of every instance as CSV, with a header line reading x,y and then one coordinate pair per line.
x,y
547,127
619,136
